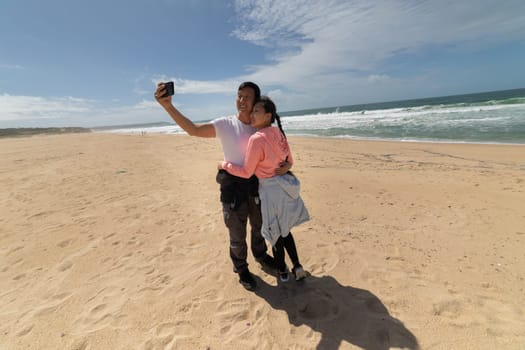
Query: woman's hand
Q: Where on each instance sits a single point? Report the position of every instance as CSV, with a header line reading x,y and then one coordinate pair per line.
x,y
283,168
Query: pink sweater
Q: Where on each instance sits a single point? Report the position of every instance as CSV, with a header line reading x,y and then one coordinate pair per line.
x,y
266,150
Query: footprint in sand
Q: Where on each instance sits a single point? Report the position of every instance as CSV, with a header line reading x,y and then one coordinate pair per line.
x,y
448,308
232,312
25,331
327,265
166,250
128,255
14,250
79,344
64,243
148,269
62,296
17,262
167,335
19,277
46,310
103,310
97,309
109,236
66,265
132,240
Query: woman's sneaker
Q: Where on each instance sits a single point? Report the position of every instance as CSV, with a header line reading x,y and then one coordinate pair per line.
x,y
299,273
284,276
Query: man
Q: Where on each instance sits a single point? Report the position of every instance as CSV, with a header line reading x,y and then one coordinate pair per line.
x,y
239,197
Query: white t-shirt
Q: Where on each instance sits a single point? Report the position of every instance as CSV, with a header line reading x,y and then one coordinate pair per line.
x,y
234,136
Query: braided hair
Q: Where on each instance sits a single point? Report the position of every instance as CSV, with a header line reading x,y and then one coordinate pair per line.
x,y
269,107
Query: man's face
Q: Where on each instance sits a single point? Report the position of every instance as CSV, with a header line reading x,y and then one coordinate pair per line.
x,y
245,97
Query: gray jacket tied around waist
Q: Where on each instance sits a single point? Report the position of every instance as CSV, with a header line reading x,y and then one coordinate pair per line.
x,y
281,206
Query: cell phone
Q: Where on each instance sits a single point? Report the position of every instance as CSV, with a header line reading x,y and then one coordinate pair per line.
x,y
170,89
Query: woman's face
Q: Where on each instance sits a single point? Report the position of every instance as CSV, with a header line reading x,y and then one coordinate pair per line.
x,y
259,118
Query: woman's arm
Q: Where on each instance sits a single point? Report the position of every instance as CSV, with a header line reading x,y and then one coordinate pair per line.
x,y
254,154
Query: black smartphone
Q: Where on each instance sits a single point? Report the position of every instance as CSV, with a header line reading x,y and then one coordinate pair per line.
x,y
170,89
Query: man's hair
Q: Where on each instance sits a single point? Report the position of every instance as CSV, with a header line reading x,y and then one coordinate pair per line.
x,y
254,87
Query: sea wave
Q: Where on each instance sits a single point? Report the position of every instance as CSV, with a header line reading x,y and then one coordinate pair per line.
x,y
454,119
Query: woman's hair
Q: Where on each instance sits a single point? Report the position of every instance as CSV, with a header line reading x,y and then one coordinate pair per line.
x,y
254,87
269,107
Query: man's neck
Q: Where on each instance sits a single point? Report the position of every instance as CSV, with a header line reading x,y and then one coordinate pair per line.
x,y
244,117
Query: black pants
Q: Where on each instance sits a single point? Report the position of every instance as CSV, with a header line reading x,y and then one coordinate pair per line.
x,y
236,222
287,243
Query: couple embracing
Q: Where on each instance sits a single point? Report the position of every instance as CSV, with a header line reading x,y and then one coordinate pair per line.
x,y
255,181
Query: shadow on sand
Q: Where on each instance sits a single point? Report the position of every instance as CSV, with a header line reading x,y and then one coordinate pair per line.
x,y
339,313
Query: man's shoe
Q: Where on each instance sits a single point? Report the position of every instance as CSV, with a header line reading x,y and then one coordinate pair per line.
x,y
267,262
247,280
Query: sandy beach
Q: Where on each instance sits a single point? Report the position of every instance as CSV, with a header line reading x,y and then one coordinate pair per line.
x,y
117,242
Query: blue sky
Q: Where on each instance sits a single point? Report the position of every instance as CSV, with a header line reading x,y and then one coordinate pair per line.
x,y
92,63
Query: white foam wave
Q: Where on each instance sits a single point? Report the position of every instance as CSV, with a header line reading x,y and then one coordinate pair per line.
x,y
398,116
169,129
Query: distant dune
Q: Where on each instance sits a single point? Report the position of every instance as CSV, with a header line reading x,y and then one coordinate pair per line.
x,y
37,131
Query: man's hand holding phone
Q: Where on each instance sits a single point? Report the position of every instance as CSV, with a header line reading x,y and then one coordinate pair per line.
x,y
164,92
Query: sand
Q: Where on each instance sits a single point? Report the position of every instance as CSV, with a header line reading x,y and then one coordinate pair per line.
x,y
117,242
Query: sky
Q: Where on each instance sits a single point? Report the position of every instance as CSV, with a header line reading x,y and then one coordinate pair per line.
x,y
97,62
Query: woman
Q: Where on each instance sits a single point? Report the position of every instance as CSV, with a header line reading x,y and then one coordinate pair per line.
x,y
281,206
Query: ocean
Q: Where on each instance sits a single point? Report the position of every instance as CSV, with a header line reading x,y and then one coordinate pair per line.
x,y
489,117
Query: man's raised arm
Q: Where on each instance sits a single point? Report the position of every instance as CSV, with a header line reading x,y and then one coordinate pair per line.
x,y
200,130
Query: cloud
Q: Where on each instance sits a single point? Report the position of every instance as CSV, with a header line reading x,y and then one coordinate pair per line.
x,y
10,66
34,111
377,78
360,33
32,107
317,53
342,36
340,48
185,86
146,105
